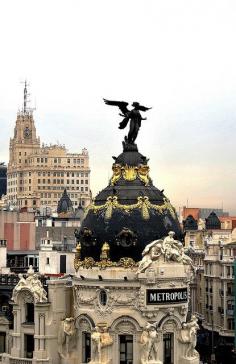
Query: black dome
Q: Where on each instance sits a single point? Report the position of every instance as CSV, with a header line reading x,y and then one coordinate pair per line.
x,y
129,213
212,221
190,223
64,204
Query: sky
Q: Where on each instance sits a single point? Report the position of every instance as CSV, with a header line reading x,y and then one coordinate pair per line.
x,y
176,56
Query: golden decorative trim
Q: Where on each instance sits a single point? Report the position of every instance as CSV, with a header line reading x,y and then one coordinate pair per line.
x,y
143,204
130,173
89,263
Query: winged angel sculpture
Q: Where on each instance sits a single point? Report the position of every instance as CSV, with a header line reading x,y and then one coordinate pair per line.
x,y
133,116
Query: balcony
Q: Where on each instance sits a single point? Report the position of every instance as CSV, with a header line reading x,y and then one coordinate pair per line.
x,y
20,361
8,359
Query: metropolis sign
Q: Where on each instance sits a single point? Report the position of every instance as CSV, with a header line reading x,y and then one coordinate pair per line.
x,y
166,296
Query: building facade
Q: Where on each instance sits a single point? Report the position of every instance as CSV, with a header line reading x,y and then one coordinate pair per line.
x,y
37,175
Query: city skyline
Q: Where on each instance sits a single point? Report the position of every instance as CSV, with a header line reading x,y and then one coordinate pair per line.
x,y
180,61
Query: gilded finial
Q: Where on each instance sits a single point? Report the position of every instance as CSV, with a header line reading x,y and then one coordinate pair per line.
x,y
105,251
78,251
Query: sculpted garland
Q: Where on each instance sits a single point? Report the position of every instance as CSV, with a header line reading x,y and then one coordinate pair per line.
x,y
143,204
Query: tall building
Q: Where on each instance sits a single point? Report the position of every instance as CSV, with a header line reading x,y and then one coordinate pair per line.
x,y
213,251
37,176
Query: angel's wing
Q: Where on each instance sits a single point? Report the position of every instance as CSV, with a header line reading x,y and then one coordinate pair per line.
x,y
143,108
121,104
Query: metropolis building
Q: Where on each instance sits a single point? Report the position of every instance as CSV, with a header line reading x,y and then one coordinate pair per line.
x,y
37,175
127,303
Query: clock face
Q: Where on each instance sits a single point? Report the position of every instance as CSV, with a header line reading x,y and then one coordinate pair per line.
x,y
27,132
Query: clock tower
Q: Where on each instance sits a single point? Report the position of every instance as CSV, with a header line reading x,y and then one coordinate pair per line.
x,y
23,144
24,141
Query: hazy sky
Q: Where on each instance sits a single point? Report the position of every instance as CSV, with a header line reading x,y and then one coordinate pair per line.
x,y
177,56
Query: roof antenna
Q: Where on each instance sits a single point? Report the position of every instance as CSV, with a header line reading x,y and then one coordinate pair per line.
x,y
26,99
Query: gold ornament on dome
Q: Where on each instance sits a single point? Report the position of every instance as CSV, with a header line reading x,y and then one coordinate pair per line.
x,y
143,174
116,173
130,173
78,251
105,252
104,262
143,204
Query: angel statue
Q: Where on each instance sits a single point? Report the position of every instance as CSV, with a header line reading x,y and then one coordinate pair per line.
x,y
133,116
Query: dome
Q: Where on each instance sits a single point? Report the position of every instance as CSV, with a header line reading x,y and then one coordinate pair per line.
x,y
64,204
212,221
190,223
129,213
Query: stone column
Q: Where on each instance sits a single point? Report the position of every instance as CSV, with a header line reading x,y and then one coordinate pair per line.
x,y
16,335
41,310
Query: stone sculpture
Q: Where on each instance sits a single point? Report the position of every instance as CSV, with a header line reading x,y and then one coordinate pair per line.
x,y
169,248
149,341
188,336
32,284
101,340
66,336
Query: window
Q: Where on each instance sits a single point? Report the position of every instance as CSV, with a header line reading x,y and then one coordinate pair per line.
x,y
2,342
126,349
29,346
86,347
103,297
47,260
29,312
